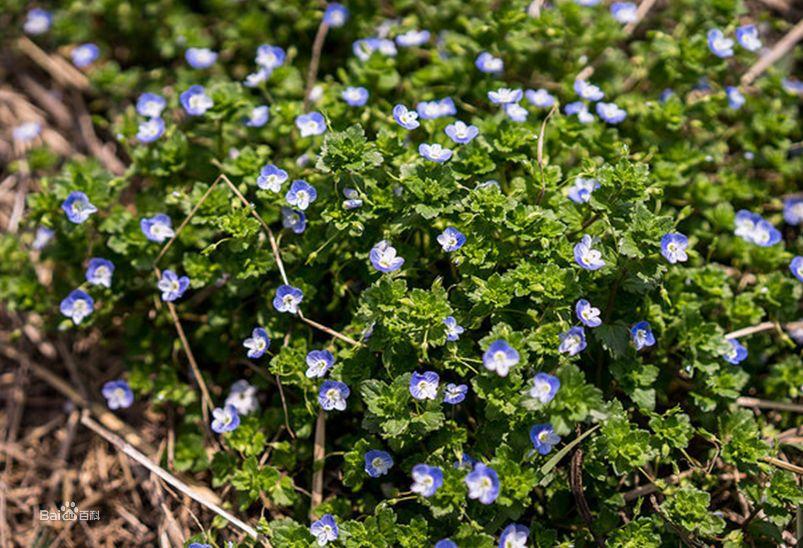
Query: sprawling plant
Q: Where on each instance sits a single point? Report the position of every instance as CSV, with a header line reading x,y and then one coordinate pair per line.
x,y
459,272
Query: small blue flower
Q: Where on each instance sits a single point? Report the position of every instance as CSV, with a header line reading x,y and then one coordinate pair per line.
x,y
77,305
301,194
516,112
673,247
587,314
624,12
581,110
150,105
446,107
413,38
465,462
199,545
796,267
408,119
489,64
325,530
514,536
353,200
172,286
26,132
504,96
258,343
157,228
483,483
426,479
587,3
383,257
580,192
431,110
500,357
200,58
255,78
544,388
258,116
118,394
294,220
311,124
333,395
586,256
544,438
365,47
287,299
37,21
735,97
225,419
747,36
451,239
336,15
78,207
378,463
355,96
792,85
269,57
84,55
736,352
271,177
151,129
573,341
454,393
793,210
195,100
753,228
540,98
588,91
318,363
434,152
461,133
99,272
424,386
42,237
719,45
453,330
666,94
445,543
642,335
611,113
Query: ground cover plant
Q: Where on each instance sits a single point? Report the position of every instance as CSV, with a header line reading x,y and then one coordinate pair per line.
x,y
460,273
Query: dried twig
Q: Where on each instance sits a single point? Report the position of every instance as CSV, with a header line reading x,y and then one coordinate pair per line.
x,y
784,465
765,326
767,404
540,152
318,455
312,73
780,49
643,9
576,483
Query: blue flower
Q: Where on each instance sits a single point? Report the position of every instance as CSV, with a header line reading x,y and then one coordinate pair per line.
x,y
301,194
225,419
200,58
99,272
424,386
383,257
434,152
255,78
747,36
287,299
453,330
587,314
336,15
666,94
243,396
426,479
172,286
540,98
78,207
199,545
573,341
736,352
451,239
465,462
258,116
431,110
544,438
719,45
454,393
26,132
504,96
446,107
84,55
118,394
735,97
377,463
408,119
294,220
514,536
516,112
587,3
611,113
792,85
150,105
445,543
673,247
269,57
195,100
753,228
624,12
413,38
37,21
544,388
353,200
586,256
258,343
483,483
157,228
355,96
365,47
796,267
42,237
581,191
151,129
642,335
318,363
461,133
77,305
325,530
500,357
333,395
793,210
271,178
489,64
588,91
311,124
581,110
